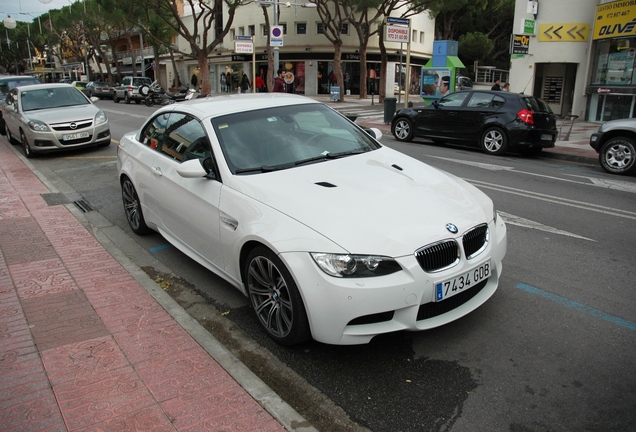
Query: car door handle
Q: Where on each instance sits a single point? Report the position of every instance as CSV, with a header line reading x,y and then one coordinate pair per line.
x,y
157,171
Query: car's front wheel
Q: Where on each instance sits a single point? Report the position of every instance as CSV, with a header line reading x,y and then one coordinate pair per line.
x,y
25,145
132,208
494,141
3,127
115,99
275,297
618,156
403,130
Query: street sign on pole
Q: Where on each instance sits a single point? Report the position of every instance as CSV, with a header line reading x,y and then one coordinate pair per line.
x,y
276,36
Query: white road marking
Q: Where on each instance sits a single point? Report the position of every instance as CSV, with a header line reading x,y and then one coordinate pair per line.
x,y
527,223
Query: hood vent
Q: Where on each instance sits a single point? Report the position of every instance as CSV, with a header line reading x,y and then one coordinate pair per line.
x,y
326,184
397,167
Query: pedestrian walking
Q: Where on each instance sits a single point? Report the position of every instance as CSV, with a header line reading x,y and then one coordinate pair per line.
x,y
279,82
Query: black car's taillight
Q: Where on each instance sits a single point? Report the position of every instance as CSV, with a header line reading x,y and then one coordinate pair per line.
x,y
526,116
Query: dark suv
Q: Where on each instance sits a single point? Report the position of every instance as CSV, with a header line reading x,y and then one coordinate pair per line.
x,y
496,121
8,82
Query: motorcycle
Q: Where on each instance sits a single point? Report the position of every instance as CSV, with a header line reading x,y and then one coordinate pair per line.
x,y
154,94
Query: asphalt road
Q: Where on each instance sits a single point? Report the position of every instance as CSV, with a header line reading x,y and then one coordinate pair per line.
x,y
553,350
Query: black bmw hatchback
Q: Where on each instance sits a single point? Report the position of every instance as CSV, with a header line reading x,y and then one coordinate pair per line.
x,y
496,121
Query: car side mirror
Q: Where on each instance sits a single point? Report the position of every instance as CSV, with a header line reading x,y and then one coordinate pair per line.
x,y
435,103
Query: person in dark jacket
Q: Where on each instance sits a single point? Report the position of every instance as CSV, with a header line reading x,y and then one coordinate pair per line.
x,y
279,83
497,85
245,84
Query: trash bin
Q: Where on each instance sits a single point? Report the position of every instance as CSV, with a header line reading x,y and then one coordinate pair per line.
x,y
389,109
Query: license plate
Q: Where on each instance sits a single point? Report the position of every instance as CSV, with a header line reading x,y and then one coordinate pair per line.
x,y
71,137
546,137
467,280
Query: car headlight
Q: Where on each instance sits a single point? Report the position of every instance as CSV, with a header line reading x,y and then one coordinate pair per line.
x,y
355,266
38,126
100,118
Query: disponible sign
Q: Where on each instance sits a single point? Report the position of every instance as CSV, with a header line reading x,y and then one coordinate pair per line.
x,y
397,34
243,47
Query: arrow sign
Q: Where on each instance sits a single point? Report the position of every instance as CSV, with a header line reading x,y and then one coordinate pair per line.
x,y
556,32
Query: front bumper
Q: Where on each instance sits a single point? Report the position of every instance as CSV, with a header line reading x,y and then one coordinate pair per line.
x,y
46,142
345,311
596,141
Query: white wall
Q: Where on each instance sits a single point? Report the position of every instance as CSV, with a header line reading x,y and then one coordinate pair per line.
x,y
554,12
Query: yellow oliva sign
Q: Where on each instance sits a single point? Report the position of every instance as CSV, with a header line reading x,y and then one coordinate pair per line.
x,y
564,32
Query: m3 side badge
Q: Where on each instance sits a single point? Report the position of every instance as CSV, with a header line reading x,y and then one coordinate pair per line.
x,y
451,228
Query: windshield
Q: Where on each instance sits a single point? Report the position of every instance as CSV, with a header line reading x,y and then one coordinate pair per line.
x,y
65,96
286,137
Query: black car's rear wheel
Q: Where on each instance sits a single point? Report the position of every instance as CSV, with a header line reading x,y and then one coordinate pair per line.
x,y
275,297
132,208
494,141
403,129
618,156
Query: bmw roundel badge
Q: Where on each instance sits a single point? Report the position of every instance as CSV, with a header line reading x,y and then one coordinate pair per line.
x,y
452,228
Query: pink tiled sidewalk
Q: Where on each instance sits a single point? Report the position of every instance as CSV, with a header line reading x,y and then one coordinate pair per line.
x,y
83,346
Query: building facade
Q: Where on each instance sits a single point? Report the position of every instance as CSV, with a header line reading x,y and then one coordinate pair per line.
x,y
580,56
306,54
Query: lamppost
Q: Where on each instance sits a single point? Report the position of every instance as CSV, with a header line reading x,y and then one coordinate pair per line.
x,y
10,24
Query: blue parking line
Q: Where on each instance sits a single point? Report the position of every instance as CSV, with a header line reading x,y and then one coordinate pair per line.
x,y
578,306
160,247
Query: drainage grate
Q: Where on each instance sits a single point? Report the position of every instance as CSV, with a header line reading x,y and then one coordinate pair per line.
x,y
83,206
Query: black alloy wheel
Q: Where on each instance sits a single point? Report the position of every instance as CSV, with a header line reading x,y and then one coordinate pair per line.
x,y
132,208
275,297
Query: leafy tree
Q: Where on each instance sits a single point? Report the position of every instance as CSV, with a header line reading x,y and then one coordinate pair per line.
x,y
206,21
333,16
475,46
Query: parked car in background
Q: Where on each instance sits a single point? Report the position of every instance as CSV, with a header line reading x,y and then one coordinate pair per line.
x,y
53,117
327,232
79,84
463,83
65,81
495,121
615,143
99,89
128,90
7,82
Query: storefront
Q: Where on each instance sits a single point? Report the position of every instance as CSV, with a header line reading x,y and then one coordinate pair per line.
x,y
612,86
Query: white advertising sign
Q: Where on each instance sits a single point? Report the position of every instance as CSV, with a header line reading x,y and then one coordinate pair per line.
x,y
243,47
397,34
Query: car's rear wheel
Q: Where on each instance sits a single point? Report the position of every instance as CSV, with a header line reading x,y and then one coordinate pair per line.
x,y
115,99
132,208
25,146
494,141
403,130
618,156
275,297
3,127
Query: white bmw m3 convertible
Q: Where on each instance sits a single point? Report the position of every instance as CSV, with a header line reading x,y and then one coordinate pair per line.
x,y
329,233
